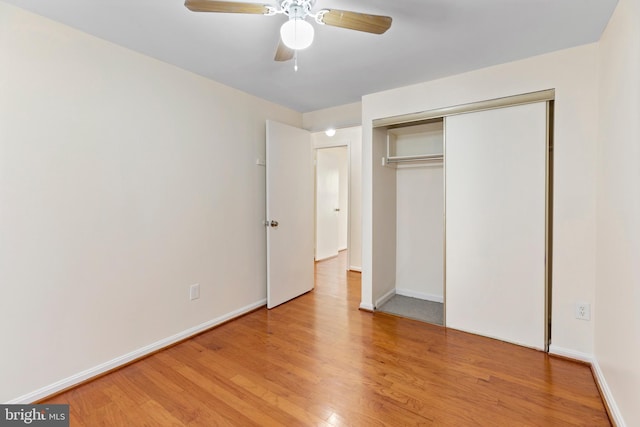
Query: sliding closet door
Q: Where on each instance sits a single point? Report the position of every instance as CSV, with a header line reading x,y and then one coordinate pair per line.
x,y
495,223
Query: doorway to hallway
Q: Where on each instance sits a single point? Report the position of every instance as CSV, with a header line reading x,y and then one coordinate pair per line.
x,y
332,201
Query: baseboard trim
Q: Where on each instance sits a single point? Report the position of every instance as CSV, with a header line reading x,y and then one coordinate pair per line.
x,y
615,415
366,307
325,258
419,295
384,298
354,268
128,358
571,354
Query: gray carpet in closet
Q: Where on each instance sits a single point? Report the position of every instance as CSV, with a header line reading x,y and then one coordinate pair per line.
x,y
414,308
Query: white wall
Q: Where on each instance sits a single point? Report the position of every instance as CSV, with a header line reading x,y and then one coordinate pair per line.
x,y
353,138
339,117
420,231
123,180
380,268
615,312
573,73
355,201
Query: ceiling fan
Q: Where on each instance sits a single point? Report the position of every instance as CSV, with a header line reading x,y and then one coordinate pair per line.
x,y
297,33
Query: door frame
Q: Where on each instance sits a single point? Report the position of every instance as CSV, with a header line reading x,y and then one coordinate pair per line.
x,y
336,141
316,152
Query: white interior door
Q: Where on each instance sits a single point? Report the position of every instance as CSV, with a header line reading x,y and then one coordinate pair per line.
x,y
290,199
495,223
327,202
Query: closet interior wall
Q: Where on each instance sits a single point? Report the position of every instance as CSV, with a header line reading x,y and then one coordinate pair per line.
x,y
419,210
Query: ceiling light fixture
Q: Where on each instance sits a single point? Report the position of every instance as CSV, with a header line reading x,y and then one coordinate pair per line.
x,y
330,132
297,33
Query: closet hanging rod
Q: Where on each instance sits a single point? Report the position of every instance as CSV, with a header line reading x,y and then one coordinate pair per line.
x,y
425,158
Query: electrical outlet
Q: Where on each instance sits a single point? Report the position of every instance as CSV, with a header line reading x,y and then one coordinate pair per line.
x,y
583,311
194,291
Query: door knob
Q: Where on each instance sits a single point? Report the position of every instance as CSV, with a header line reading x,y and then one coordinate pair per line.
x,y
273,223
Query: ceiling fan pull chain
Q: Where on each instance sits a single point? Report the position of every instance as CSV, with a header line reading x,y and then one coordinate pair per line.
x,y
295,61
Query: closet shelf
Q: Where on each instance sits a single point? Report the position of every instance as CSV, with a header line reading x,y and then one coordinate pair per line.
x,y
421,158
423,143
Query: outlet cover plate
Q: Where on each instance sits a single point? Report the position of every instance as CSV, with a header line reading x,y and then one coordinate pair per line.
x,y
194,292
583,311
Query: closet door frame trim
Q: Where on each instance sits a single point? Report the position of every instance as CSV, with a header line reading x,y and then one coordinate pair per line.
x,y
509,101
547,96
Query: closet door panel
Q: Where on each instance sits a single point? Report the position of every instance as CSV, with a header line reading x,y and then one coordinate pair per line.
x,y
495,223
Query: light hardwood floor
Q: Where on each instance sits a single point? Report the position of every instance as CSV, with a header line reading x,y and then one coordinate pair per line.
x,y
318,360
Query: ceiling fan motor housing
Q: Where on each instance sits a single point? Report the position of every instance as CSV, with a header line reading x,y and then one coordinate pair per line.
x,y
297,9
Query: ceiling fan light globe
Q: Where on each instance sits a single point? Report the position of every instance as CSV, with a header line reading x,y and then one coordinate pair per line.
x,y
297,34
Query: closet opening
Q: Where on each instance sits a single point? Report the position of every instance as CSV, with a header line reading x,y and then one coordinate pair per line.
x,y
414,153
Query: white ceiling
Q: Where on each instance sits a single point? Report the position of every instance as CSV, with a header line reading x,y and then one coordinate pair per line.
x,y
428,39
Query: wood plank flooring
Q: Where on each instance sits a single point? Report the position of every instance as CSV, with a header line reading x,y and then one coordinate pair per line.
x,y
318,360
